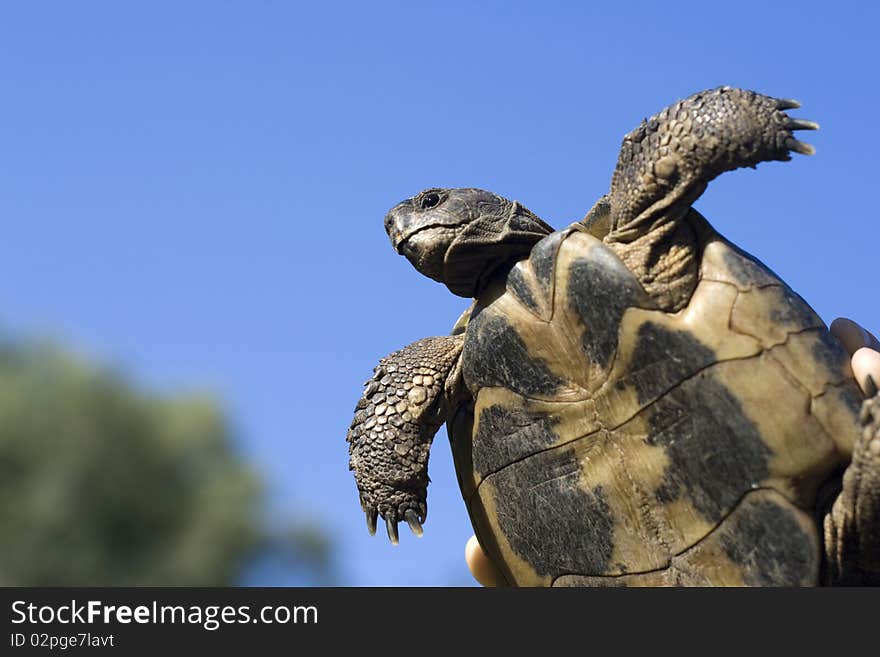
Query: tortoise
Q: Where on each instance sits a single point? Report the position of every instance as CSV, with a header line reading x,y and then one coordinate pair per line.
x,y
632,400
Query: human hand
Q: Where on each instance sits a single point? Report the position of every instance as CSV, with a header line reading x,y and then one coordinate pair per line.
x,y
862,346
864,350
481,567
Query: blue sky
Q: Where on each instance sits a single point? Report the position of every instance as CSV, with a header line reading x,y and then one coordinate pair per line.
x,y
194,192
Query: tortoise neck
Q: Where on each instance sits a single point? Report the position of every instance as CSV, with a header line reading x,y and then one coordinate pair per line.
x,y
494,286
665,259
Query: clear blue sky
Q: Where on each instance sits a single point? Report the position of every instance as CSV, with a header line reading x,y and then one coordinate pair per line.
x,y
194,192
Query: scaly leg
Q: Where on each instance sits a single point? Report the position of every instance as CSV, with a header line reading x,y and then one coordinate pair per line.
x,y
665,165
672,156
852,527
402,407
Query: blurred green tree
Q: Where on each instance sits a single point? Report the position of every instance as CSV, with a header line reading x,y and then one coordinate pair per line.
x,y
103,484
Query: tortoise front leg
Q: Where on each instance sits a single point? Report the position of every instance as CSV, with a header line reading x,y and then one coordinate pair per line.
x,y
669,159
402,407
852,527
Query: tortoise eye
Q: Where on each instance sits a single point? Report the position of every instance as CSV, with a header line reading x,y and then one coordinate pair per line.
x,y
429,200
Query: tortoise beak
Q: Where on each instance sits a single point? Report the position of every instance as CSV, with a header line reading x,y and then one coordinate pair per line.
x,y
395,229
397,240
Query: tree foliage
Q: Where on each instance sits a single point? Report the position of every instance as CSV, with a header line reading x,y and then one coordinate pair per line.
x,y
103,484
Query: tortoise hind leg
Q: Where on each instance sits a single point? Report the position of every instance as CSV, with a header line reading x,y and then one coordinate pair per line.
x,y
402,407
665,165
670,158
852,527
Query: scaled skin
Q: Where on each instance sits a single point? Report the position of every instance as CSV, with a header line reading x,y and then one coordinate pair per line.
x,y
863,347
651,258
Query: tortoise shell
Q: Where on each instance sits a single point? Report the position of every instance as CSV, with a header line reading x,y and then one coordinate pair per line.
x,y
608,442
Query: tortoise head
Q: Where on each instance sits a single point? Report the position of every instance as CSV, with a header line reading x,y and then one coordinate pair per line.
x,y
460,237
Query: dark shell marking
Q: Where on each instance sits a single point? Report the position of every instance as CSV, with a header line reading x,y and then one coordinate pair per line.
x,y
601,289
532,281
764,541
543,260
519,287
699,423
496,355
550,521
662,359
649,435
771,547
504,435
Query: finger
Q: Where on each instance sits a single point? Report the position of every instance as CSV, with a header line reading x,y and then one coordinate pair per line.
x,y
852,336
479,564
875,343
866,362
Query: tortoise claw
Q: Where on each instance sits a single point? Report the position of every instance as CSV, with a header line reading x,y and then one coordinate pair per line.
x,y
787,103
801,124
413,521
391,526
803,148
372,516
870,387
